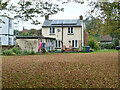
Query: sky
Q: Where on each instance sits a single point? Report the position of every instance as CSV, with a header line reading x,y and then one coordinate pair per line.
x,y
71,11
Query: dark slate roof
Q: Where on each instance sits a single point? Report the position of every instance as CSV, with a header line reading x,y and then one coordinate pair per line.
x,y
105,38
33,37
59,23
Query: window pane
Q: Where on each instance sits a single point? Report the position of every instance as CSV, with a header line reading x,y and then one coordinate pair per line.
x,y
59,43
72,43
71,29
50,30
56,43
53,30
75,43
68,29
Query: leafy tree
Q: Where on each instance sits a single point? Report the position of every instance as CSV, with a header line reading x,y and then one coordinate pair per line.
x,y
30,10
108,12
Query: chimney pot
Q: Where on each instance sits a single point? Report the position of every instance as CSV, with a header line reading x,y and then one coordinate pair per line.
x,y
81,17
47,17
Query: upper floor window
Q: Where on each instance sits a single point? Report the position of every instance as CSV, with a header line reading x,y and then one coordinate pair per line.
x,y
70,30
52,30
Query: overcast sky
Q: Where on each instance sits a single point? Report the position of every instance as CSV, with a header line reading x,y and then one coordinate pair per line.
x,y
71,11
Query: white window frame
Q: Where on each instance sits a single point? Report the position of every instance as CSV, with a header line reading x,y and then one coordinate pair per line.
x,y
71,30
75,43
57,44
52,30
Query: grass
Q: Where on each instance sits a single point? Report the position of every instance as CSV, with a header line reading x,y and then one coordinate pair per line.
x,y
107,50
60,70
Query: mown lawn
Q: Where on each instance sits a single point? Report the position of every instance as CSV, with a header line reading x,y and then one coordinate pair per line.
x,y
72,70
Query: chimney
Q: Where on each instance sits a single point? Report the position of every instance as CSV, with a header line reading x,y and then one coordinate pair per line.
x,y
47,17
81,17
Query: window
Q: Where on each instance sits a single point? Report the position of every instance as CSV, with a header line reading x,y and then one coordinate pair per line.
x,y
52,30
9,41
75,43
58,44
0,41
70,30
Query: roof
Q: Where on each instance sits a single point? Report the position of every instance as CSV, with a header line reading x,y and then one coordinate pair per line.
x,y
33,37
64,23
105,38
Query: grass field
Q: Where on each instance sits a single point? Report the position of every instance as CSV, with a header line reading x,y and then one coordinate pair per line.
x,y
71,70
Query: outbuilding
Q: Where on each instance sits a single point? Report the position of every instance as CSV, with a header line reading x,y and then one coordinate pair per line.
x,y
31,43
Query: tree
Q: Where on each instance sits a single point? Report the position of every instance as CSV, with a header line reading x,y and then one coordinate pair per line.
x,y
30,10
108,12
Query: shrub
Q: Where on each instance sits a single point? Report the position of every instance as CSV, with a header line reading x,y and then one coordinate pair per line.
x,y
25,52
32,53
43,50
8,52
17,50
93,44
116,42
107,46
83,49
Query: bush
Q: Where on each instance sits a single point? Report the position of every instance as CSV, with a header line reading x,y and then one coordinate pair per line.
x,y
93,44
83,49
25,52
107,46
17,50
116,42
32,53
8,52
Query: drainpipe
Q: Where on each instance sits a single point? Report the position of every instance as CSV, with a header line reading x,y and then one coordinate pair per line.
x,y
62,35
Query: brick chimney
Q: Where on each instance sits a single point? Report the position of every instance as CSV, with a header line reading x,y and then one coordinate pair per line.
x,y
47,17
81,17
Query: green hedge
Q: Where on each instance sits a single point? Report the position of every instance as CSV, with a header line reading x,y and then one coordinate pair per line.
x,y
8,52
107,46
18,51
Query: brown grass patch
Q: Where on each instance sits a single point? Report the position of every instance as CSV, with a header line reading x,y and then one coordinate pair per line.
x,y
96,70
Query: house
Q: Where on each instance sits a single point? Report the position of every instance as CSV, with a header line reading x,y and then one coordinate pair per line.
x,y
6,31
105,39
31,43
66,32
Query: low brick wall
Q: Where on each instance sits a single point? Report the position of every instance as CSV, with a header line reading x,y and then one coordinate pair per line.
x,y
4,47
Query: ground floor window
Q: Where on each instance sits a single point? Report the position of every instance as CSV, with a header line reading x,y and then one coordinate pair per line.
x,y
58,44
75,43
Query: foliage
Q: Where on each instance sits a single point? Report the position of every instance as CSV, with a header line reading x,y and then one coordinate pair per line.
x,y
25,52
107,46
116,42
32,53
83,49
109,13
17,50
43,50
30,10
8,52
93,26
93,44
32,32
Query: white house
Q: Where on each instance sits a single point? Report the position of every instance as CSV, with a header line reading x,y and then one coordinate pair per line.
x,y
6,31
66,32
